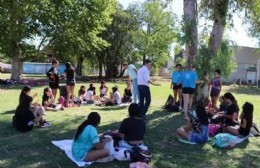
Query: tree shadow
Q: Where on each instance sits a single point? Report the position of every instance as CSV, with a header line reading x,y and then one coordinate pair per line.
x,y
9,112
109,108
244,90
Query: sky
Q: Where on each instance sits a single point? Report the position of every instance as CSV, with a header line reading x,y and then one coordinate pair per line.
x,y
238,33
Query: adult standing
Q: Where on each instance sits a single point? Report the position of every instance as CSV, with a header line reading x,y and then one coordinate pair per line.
x,y
189,80
70,82
53,76
143,80
132,71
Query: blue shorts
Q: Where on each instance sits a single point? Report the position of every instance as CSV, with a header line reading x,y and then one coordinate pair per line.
x,y
200,138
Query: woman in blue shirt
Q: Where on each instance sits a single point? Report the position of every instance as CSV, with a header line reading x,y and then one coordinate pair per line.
x,y
176,85
86,145
188,81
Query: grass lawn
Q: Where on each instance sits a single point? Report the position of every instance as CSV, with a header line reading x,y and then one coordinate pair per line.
x,y
34,149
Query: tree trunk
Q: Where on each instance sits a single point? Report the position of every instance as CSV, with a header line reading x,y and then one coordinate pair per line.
x,y
100,66
80,66
191,29
220,14
16,62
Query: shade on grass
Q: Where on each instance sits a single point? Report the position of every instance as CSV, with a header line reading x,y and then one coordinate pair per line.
x,y
34,149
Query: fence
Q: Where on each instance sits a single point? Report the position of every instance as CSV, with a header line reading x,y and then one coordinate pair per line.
x,y
40,68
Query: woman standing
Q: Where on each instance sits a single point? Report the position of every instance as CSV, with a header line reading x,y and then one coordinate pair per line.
x,y
188,81
70,82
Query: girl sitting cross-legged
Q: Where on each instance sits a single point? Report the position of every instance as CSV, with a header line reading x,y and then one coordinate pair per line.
x,y
48,101
24,118
132,129
196,130
246,121
87,145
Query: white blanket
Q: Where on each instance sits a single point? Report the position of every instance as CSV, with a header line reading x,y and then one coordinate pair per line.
x,y
65,145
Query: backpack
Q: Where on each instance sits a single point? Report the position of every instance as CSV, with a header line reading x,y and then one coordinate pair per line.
x,y
62,101
172,108
169,101
214,129
224,140
254,130
122,154
139,155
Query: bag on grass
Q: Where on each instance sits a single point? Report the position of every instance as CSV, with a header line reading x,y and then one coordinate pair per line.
x,y
224,140
254,130
214,129
138,154
122,154
169,105
115,136
62,101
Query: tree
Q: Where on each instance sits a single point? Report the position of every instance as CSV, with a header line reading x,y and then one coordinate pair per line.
x,y
119,35
69,27
74,27
18,21
156,30
190,29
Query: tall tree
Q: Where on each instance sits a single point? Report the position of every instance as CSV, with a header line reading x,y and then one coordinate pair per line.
x,y
156,30
190,29
119,35
18,21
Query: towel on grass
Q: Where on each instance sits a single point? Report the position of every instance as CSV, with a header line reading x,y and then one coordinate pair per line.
x,y
65,145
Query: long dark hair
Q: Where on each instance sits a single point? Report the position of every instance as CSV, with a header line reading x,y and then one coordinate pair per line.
x,y
23,106
230,96
102,84
81,90
92,88
44,91
248,109
114,89
93,119
69,66
201,114
134,110
23,93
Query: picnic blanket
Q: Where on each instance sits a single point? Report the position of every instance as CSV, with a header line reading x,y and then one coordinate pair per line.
x,y
65,145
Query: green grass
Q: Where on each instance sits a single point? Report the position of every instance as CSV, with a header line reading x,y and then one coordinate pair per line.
x,y
34,149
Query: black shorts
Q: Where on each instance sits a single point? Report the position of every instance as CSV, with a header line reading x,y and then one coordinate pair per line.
x,y
177,86
243,131
188,90
54,86
70,84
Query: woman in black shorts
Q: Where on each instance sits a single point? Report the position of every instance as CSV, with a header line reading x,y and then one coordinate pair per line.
x,y
188,81
70,82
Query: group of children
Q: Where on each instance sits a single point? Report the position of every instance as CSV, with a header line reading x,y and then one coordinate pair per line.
x,y
207,112
89,96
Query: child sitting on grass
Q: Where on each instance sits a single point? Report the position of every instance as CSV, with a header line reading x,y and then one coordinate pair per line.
x,y
24,118
246,121
87,145
103,89
115,97
48,101
127,98
196,130
132,129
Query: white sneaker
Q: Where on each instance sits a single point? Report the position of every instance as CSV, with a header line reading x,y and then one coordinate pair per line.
x,y
45,124
180,108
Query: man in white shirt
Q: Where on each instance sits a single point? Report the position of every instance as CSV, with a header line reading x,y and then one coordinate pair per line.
x,y
143,80
132,71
